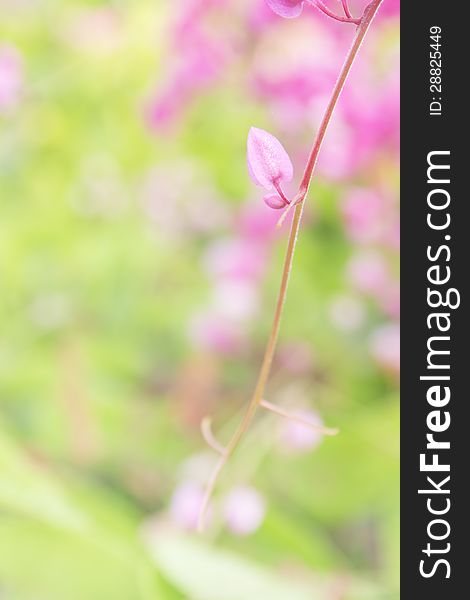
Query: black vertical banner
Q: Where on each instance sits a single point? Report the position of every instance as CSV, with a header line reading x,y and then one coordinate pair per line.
x,y
435,436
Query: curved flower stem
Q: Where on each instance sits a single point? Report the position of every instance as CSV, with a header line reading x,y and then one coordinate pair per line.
x,y
280,192
278,410
206,430
347,12
298,202
324,9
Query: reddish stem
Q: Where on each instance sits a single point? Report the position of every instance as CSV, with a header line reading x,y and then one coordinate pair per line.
x,y
366,20
347,12
324,9
280,192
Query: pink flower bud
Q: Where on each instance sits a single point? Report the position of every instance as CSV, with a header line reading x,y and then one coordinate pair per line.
x,y
268,162
274,201
286,8
185,505
295,437
244,510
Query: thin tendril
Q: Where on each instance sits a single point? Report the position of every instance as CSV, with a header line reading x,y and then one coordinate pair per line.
x,y
347,12
206,429
294,417
280,192
324,9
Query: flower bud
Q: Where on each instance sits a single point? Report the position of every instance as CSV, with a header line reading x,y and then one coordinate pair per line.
x,y
274,201
268,162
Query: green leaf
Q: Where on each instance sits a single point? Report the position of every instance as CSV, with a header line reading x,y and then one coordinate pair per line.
x,y
39,561
204,572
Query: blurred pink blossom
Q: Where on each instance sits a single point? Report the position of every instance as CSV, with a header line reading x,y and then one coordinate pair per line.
x,y
199,69
290,70
389,298
11,78
259,16
296,437
368,272
212,332
257,223
237,300
296,357
185,505
364,214
385,347
244,510
199,57
236,258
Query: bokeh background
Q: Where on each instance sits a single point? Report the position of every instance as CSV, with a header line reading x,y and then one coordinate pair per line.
x,y
138,276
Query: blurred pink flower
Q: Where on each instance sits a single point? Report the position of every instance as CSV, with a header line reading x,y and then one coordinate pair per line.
x,y
216,333
385,347
236,300
368,272
296,357
364,214
257,223
259,17
341,157
244,510
389,298
290,70
11,78
198,70
236,258
292,74
296,437
199,57
185,505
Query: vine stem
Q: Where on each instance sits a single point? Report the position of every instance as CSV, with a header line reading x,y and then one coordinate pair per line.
x,y
263,376
324,9
347,12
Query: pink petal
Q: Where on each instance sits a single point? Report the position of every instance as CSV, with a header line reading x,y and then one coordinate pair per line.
x,y
286,8
296,437
185,505
274,201
267,159
244,510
